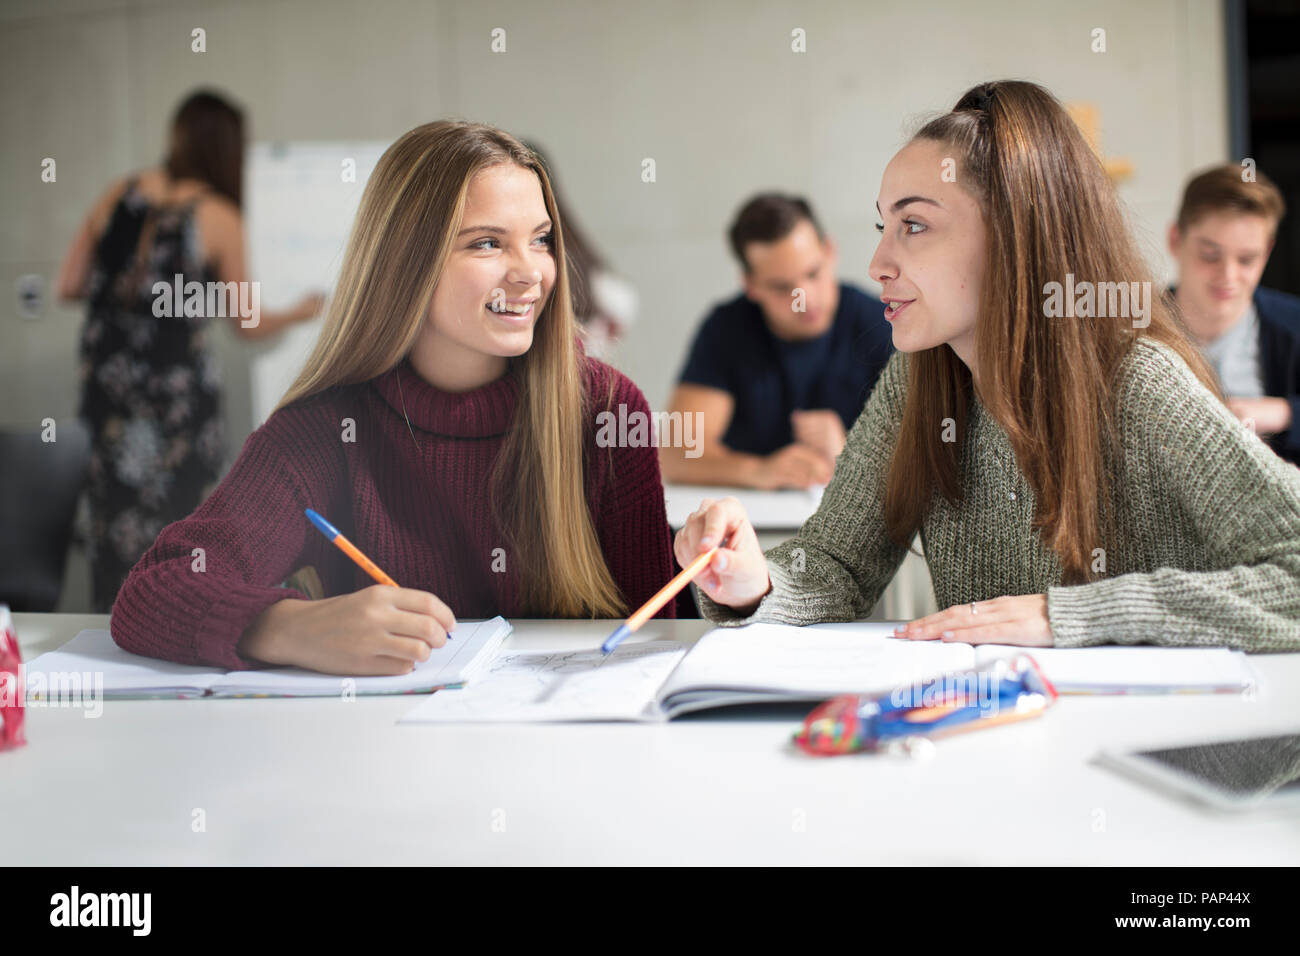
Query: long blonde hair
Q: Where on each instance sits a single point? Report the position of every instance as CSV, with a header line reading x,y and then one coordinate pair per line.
x,y
410,213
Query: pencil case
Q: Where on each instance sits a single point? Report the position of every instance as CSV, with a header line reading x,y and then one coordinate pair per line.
x,y
996,693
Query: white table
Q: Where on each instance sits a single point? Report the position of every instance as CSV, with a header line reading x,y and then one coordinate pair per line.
x,y
777,515
775,511
327,782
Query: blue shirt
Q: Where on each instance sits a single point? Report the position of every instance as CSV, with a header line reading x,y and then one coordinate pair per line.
x,y
768,378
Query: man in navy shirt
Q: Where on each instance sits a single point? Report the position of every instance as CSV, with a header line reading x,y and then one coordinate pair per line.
x,y
779,373
1251,335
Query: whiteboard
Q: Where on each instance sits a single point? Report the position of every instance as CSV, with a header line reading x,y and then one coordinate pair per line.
x,y
298,214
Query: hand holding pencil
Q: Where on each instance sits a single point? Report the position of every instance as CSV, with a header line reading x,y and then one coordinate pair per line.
x,y
719,550
380,630
736,575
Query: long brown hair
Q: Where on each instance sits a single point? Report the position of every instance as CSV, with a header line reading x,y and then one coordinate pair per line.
x,y
1049,210
207,144
410,213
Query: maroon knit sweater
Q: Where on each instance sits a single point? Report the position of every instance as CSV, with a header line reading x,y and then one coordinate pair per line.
x,y
422,514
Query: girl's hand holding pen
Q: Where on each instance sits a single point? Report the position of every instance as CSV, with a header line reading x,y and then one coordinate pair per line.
x,y
378,631
737,576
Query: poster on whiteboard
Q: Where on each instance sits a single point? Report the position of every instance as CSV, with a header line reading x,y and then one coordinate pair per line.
x,y
299,201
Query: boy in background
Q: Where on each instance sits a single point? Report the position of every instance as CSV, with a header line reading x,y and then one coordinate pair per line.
x,y
1251,335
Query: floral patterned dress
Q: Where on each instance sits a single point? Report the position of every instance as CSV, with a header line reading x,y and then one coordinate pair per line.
x,y
149,389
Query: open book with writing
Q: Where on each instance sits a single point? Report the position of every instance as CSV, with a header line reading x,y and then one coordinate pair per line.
x,y
97,665
657,680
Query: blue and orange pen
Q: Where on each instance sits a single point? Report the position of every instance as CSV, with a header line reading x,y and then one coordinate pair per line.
x,y
350,549
666,594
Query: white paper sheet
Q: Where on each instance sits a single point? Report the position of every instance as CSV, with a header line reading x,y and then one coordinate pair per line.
x,y
558,686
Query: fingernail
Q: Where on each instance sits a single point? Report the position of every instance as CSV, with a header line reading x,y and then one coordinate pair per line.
x,y
947,633
707,541
720,562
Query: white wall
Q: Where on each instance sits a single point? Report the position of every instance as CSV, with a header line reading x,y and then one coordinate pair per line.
x,y
711,91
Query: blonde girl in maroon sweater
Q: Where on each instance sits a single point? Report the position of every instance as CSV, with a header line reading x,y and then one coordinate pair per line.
x,y
447,422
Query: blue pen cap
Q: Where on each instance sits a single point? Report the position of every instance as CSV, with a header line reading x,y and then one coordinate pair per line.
x,y
325,527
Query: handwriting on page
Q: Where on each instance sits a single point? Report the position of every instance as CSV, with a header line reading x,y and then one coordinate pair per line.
x,y
569,685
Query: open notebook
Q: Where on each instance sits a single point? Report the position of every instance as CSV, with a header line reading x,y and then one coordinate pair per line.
x,y
125,676
658,680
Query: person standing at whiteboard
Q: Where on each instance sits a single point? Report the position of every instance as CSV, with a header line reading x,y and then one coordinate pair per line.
x,y
150,391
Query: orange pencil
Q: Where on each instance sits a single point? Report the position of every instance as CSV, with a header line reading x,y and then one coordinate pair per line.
x,y
350,549
666,594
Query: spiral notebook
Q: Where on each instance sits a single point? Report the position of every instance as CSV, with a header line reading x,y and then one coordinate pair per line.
x,y
91,661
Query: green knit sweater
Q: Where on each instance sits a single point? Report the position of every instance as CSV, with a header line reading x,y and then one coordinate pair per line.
x,y
1207,548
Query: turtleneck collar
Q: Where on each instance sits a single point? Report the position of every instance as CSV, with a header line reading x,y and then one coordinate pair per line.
x,y
479,413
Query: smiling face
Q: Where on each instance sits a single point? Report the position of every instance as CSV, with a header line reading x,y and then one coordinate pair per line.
x,y
800,260
1221,257
930,262
496,281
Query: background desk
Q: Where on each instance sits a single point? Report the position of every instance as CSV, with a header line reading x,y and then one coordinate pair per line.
x,y
327,782
777,515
